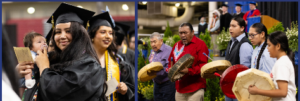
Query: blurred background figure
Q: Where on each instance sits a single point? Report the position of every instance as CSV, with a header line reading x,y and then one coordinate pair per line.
x,y
225,18
214,29
122,43
238,9
131,41
10,77
202,25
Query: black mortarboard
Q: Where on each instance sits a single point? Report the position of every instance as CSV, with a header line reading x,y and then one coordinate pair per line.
x,y
67,13
224,5
123,27
131,33
238,4
48,36
121,32
102,19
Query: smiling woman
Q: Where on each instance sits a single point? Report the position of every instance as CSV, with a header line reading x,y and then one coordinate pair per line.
x,y
103,39
63,36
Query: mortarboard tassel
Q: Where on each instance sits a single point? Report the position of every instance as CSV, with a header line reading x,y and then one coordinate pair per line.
x,y
128,37
87,25
52,21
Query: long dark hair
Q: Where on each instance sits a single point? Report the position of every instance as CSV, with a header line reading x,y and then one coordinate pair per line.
x,y
80,45
259,28
112,48
241,23
279,37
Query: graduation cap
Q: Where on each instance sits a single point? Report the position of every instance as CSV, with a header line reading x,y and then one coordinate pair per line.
x,y
121,32
67,13
102,19
122,27
224,5
253,2
48,36
131,33
238,4
112,20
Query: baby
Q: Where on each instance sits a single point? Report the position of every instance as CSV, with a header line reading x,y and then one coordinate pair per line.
x,y
35,42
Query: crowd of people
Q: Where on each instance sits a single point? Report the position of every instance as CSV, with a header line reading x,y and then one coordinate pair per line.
x,y
221,21
270,55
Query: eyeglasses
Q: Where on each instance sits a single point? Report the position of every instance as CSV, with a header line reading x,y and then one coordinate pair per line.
x,y
252,36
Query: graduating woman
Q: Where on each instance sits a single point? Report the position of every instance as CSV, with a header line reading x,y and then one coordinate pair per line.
x,y
103,37
72,72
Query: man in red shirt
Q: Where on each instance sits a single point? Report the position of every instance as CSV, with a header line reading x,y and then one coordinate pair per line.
x,y
191,86
253,11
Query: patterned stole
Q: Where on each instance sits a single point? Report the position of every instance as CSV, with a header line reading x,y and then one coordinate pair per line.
x,y
112,70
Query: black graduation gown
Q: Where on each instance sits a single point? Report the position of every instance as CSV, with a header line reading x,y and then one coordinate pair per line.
x,y
81,81
129,56
239,15
128,79
202,28
225,21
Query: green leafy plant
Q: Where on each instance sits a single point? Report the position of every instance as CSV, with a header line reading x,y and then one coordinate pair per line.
x,y
277,27
213,90
168,32
165,39
292,35
147,91
223,39
170,41
206,38
145,88
176,38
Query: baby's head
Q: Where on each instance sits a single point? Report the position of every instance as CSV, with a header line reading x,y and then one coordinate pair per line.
x,y
34,41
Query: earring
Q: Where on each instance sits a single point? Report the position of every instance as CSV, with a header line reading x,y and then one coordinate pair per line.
x,y
92,40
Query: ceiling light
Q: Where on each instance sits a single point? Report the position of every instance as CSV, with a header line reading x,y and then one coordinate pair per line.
x,y
30,10
125,7
177,4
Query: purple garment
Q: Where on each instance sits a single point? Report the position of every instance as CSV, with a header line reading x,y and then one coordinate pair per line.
x,y
161,56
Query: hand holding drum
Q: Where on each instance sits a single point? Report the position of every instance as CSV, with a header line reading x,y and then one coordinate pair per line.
x,y
179,69
252,77
149,71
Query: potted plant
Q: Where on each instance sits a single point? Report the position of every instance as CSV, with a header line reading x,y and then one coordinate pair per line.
x,y
222,41
292,35
277,27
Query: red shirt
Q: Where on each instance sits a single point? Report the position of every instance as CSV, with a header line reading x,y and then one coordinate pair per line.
x,y
256,12
191,81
